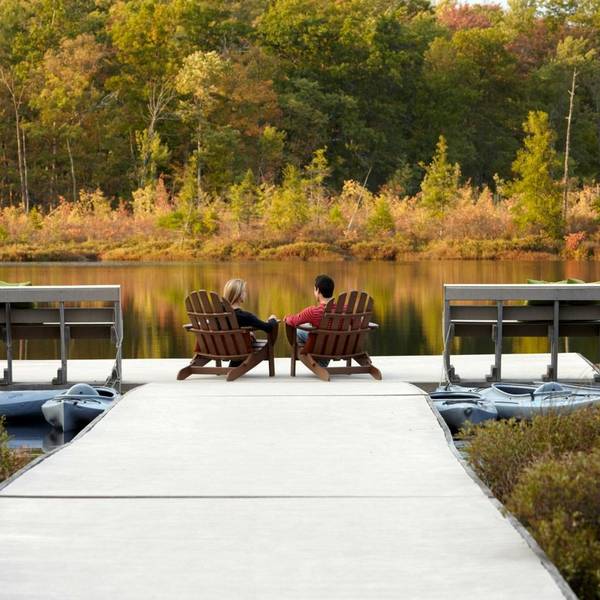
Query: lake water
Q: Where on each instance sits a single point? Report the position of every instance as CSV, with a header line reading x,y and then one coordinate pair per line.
x,y
408,299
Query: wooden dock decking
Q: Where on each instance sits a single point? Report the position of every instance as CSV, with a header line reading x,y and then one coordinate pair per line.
x,y
263,488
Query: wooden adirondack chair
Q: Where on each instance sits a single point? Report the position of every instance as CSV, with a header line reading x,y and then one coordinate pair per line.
x,y
219,338
341,335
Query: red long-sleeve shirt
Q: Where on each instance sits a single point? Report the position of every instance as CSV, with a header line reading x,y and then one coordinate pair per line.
x,y
311,314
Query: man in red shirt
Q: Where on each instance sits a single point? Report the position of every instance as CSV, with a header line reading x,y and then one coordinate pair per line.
x,y
312,315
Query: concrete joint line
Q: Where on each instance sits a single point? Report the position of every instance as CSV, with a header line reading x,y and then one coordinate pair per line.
x,y
232,497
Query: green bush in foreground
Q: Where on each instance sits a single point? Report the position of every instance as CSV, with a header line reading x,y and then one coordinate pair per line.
x,y
558,500
500,451
547,473
10,460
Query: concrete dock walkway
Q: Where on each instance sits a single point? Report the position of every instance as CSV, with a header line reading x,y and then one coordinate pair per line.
x,y
262,488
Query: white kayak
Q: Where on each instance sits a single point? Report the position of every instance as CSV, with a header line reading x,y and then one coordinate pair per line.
x,y
79,406
25,403
513,400
458,407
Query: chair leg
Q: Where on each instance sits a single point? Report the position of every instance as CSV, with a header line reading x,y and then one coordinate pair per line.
x,y
248,364
375,373
196,362
271,352
365,361
184,373
321,372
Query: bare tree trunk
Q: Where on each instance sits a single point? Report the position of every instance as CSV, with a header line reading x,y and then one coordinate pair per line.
x,y
5,182
53,185
568,145
358,203
6,77
198,169
19,152
25,172
72,171
161,95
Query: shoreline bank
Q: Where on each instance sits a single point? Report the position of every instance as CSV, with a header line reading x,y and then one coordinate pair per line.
x,y
144,250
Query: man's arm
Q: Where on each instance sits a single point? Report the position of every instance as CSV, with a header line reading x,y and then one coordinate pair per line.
x,y
304,316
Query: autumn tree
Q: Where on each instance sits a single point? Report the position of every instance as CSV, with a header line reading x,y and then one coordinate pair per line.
x,y
200,81
149,55
67,93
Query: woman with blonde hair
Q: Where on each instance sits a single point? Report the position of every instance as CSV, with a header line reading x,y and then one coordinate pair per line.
x,y
235,292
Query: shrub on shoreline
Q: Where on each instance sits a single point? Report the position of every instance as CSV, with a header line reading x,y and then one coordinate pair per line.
x,y
352,224
547,473
558,500
10,460
500,451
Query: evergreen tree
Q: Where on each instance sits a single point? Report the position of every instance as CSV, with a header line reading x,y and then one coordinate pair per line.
x,y
440,184
380,220
244,199
537,193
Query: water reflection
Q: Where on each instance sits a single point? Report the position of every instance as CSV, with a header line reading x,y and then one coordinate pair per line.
x,y
408,299
36,434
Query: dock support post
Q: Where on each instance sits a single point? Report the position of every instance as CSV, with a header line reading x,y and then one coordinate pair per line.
x,y
61,374
448,332
496,372
7,380
554,335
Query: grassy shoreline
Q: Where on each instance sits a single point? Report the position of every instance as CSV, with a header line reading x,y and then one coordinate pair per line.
x,y
354,225
162,251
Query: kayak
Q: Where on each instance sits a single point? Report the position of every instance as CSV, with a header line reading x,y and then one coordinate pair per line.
x,y
458,407
78,406
25,403
519,401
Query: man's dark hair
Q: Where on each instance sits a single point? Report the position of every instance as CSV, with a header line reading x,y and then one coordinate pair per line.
x,y
325,285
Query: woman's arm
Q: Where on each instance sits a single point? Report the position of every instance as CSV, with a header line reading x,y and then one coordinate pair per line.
x,y
247,319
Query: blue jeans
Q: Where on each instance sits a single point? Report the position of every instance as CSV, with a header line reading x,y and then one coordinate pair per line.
x,y
302,337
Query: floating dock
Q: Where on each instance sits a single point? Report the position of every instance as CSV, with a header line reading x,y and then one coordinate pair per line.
x,y
269,489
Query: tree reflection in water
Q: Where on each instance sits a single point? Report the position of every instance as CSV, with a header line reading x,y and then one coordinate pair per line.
x,y
408,299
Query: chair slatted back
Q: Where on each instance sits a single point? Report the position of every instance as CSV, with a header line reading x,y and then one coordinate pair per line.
x,y
216,326
344,326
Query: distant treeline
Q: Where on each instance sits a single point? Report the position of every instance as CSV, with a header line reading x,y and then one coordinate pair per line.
x,y
112,95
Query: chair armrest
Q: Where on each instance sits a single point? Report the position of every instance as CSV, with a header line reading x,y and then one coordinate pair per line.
x,y
271,335
290,333
187,326
373,326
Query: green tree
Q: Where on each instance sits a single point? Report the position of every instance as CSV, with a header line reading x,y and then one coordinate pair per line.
x,y
380,219
67,92
200,80
565,86
149,55
271,144
439,187
244,198
472,94
17,55
537,194
350,71
288,207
